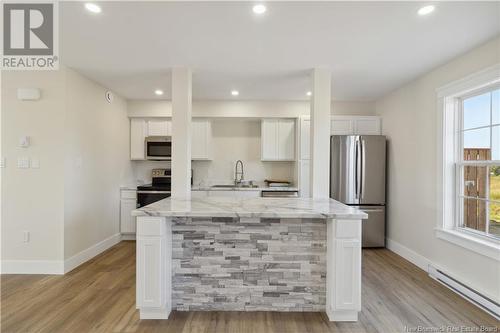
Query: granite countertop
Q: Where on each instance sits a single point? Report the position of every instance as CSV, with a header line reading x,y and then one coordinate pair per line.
x,y
251,207
258,188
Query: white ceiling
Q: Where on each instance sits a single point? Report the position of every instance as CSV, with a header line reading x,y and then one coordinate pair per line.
x,y
371,48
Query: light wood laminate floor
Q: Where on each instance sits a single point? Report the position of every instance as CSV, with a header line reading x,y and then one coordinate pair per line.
x,y
99,296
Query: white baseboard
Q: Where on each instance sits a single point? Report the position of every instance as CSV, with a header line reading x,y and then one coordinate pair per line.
x,y
128,236
58,267
91,252
32,267
410,255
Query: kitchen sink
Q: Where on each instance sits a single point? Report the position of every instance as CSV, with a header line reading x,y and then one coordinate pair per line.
x,y
234,186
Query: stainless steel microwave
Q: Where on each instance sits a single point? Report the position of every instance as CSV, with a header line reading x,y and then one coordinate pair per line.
x,y
159,148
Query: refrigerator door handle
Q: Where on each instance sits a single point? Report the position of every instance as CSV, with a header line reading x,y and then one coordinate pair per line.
x,y
359,163
356,181
363,171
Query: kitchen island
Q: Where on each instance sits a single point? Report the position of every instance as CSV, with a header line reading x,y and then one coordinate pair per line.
x,y
249,254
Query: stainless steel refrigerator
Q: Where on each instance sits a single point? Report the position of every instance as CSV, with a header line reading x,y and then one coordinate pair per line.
x,y
357,178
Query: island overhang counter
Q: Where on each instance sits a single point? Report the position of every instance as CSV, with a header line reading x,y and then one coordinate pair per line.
x,y
249,254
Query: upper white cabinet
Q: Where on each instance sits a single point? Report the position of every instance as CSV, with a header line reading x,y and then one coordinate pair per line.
x,y
140,128
355,125
159,127
305,138
278,140
341,126
138,132
367,126
201,139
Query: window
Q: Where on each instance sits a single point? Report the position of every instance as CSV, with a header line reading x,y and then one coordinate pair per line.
x,y
468,175
478,164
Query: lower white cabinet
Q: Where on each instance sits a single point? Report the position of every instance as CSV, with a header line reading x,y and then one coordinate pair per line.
x,y
343,272
128,203
305,178
153,268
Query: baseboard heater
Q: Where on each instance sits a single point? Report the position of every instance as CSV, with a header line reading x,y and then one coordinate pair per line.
x,y
466,292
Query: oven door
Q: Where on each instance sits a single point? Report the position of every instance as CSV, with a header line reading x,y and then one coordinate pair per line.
x,y
159,148
145,198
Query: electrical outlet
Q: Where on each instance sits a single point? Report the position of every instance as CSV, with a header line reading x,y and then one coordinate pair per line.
x,y
23,163
35,163
26,236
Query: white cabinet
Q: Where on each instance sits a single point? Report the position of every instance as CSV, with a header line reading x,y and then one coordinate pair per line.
x,y
278,140
153,268
305,138
343,270
128,203
341,127
367,126
140,128
304,178
201,139
286,139
355,125
159,127
347,287
138,133
269,139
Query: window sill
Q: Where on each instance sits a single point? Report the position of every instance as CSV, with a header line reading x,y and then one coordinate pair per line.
x,y
488,248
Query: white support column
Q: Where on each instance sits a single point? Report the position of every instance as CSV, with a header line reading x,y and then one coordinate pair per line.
x,y
320,133
181,132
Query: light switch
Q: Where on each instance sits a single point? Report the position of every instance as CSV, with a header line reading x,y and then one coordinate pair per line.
x,y
3,162
24,142
23,163
35,163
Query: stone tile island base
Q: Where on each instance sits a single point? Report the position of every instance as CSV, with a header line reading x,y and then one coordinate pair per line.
x,y
248,264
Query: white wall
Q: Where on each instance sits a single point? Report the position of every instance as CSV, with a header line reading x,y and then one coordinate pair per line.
x,y
409,116
152,108
97,162
238,139
32,199
71,202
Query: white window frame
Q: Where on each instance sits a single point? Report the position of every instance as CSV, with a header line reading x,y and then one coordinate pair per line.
x,y
449,149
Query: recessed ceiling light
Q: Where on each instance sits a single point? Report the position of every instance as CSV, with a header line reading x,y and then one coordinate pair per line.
x,y
309,93
235,92
159,92
259,9
426,10
92,7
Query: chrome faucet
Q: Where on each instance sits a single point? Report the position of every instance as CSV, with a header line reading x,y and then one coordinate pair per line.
x,y
236,173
